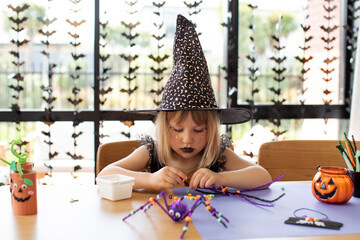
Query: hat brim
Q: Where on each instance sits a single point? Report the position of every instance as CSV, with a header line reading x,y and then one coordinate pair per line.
x,y
226,115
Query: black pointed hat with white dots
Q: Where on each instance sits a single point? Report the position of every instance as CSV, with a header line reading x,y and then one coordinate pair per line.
x,y
189,86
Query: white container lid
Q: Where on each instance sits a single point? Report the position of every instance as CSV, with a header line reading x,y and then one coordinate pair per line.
x,y
114,179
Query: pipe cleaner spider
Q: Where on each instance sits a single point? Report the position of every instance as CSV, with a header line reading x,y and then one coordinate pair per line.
x,y
241,193
178,209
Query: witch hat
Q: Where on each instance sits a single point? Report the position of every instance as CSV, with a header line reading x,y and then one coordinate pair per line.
x,y
189,86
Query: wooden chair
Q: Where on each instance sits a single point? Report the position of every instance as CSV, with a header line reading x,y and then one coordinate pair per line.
x,y
299,159
113,151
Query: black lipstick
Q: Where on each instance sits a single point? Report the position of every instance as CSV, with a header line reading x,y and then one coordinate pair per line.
x,y
187,150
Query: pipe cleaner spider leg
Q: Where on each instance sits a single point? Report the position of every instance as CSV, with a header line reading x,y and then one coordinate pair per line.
x,y
150,203
201,200
238,193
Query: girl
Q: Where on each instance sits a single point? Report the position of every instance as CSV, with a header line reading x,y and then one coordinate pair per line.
x,y
189,147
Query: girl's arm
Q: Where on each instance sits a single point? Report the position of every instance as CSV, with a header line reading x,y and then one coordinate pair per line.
x,y
240,173
133,166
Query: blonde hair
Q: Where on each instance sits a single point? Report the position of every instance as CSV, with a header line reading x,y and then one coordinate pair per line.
x,y
209,118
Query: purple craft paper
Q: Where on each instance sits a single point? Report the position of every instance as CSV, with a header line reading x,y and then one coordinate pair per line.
x,y
250,221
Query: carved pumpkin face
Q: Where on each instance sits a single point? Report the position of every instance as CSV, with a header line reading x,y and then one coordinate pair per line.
x,y
332,185
23,196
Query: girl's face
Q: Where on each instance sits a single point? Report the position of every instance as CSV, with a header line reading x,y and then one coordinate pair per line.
x,y
187,138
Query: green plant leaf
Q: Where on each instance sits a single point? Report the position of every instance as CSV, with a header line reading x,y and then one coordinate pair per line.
x,y
12,166
28,181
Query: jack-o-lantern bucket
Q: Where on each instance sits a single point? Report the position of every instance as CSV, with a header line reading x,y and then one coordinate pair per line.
x,y
332,185
23,192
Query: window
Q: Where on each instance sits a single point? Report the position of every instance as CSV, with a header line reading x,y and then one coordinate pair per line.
x,y
86,61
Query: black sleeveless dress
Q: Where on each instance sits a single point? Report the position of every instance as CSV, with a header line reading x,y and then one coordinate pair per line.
x,y
154,165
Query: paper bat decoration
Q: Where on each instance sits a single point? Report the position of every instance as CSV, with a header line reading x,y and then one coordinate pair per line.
x,y
105,70
130,36
158,91
17,64
46,21
15,54
276,91
279,79
128,91
278,60
253,78
77,56
75,23
49,100
195,4
252,59
159,26
194,13
130,78
19,43
18,20
328,40
76,135
328,60
278,102
329,29
18,9
104,25
125,134
279,70
104,57
75,1
104,91
305,28
327,79
75,35
17,88
303,59
52,155
103,79
158,5
132,70
17,76
327,91
74,44
330,9
75,102
158,59
74,156
158,37
253,70
46,42
158,79
131,3
158,70
17,28
327,71
129,58
130,25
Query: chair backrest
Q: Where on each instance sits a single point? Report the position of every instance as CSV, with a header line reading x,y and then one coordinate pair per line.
x,y
299,159
113,151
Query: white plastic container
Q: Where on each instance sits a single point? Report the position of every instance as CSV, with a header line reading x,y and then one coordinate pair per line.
x,y
115,187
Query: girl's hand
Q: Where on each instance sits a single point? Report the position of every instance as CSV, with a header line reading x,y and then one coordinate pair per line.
x,y
205,178
167,177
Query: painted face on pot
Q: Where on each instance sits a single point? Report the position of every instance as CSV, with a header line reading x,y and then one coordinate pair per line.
x,y
21,192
